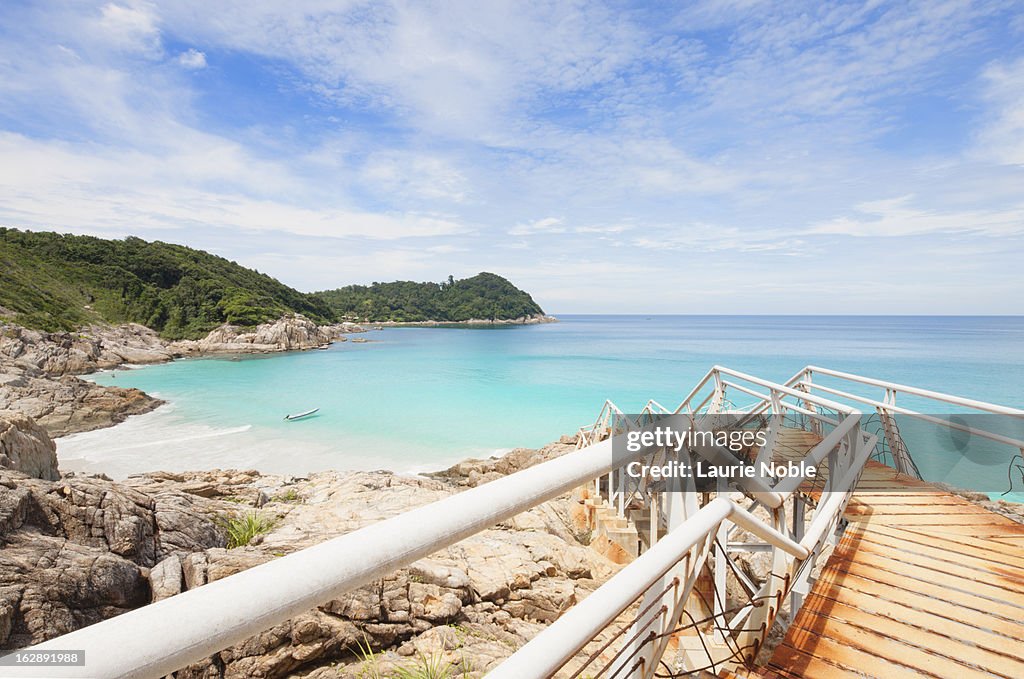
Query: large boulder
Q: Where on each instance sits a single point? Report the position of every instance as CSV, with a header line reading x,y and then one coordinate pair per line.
x,y
26,447
84,548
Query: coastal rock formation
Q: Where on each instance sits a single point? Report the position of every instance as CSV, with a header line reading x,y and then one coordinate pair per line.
x,y
79,550
25,447
67,404
75,353
85,548
289,333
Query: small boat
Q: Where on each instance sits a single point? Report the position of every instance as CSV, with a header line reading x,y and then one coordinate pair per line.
x,y
299,416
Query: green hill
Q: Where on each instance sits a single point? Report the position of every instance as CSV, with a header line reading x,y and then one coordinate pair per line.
x,y
59,282
484,296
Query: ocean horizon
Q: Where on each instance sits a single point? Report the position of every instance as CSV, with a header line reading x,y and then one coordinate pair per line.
x,y
414,399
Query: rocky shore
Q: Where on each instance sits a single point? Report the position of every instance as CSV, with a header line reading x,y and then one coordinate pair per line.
x,y
38,369
77,549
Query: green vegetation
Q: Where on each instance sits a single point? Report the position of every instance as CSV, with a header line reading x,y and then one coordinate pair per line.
x,y
243,528
429,667
378,665
485,296
291,496
60,282
425,667
54,281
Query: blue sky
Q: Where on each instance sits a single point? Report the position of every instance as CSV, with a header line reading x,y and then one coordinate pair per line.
x,y
704,157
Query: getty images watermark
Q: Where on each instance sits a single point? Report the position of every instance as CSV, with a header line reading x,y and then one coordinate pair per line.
x,y
976,452
675,439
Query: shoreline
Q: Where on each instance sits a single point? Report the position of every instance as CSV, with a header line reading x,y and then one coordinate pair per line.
x,y
37,367
142,444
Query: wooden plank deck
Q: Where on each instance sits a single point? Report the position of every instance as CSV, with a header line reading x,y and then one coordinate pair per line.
x,y
922,584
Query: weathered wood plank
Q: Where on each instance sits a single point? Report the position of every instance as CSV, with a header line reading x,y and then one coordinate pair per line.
x,y
957,544
821,658
838,585
888,646
974,594
951,647
923,583
947,553
1001,637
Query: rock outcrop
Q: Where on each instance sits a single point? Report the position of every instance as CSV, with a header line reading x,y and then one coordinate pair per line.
x,y
290,333
67,404
85,548
25,447
76,353
79,550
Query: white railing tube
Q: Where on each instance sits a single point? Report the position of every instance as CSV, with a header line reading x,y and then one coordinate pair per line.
x,y
165,636
923,393
789,391
552,648
546,653
750,523
899,410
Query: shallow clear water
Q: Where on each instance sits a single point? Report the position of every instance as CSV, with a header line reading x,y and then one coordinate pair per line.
x,y
420,398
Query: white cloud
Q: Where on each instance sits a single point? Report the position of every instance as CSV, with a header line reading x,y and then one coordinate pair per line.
x,y
897,217
1001,138
46,184
131,27
466,69
547,225
403,139
192,59
700,237
406,174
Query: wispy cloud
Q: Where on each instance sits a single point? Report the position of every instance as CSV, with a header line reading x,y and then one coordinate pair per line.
x,y
192,59
898,217
1001,136
547,225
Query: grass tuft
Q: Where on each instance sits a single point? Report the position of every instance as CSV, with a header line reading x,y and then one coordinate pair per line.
x,y
241,529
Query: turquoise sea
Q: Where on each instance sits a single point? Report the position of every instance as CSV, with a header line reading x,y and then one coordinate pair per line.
x,y
422,398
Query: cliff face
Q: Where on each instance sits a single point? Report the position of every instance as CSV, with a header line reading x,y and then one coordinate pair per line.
x,y
86,548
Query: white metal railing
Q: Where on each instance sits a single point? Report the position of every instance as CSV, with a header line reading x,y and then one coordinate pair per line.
x,y
886,409
549,651
664,576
